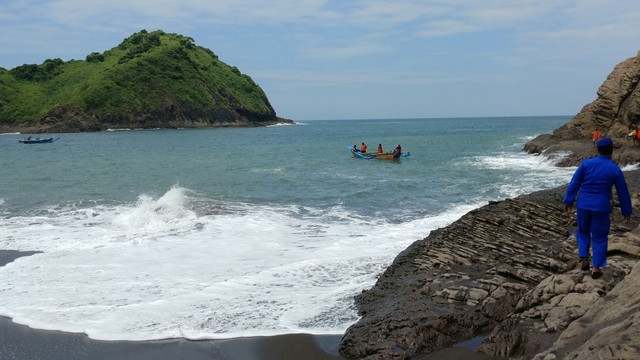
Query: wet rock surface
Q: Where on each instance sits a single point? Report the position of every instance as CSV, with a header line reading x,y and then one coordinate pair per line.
x,y
506,272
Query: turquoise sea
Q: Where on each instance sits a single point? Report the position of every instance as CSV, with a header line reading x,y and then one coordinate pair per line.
x,y
219,233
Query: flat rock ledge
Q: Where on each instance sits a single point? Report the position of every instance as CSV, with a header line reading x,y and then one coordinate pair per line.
x,y
506,273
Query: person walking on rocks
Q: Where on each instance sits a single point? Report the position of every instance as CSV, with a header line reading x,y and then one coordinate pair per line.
x,y
592,183
596,136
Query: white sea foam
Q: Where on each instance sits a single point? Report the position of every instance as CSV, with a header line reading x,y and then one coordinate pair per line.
x,y
283,124
521,173
517,161
183,266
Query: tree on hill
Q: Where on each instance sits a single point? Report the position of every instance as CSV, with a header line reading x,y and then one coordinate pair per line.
x,y
151,79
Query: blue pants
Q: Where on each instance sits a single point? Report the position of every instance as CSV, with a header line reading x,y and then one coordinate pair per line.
x,y
593,230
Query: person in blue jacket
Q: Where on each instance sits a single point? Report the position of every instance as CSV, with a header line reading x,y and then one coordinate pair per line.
x,y
592,183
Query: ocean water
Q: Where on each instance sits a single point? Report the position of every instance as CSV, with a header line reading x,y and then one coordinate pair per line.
x,y
219,233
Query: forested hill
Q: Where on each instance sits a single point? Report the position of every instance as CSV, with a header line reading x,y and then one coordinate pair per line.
x,y
151,80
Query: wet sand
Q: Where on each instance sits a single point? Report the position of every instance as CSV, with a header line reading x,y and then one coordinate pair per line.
x,y
20,342
23,343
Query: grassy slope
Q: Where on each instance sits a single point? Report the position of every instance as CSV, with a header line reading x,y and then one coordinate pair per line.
x,y
147,72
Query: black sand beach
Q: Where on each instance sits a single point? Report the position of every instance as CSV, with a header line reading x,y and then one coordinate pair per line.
x,y
19,342
23,343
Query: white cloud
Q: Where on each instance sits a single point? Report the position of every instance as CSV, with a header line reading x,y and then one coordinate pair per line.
x,y
342,53
198,11
447,27
384,14
299,44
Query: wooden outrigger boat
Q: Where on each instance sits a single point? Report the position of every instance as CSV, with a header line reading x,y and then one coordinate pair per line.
x,y
38,140
380,156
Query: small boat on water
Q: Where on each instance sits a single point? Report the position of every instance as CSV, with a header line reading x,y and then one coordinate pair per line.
x,y
29,140
380,156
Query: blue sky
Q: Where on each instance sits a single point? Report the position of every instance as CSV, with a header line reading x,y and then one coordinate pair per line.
x,y
340,59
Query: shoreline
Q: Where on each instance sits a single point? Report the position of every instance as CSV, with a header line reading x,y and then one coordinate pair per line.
x,y
9,129
22,342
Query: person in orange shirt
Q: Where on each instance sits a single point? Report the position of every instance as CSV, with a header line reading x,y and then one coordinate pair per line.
x,y
398,150
380,151
363,148
596,136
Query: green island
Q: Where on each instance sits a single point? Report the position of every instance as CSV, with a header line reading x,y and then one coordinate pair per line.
x,y
151,80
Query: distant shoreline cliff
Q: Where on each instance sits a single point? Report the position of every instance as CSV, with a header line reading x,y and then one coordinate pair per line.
x,y
151,80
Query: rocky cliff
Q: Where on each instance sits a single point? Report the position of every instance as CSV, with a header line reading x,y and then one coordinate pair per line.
x,y
505,273
615,113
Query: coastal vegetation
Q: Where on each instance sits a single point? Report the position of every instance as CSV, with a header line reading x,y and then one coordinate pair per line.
x,y
150,79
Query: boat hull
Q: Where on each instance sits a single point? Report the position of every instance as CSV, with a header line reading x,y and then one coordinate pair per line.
x,y
386,156
379,156
37,141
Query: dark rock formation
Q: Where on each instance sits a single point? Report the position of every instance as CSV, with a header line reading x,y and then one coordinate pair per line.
x,y
74,120
615,112
506,271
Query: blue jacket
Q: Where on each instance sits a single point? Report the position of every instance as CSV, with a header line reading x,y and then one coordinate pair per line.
x,y
592,182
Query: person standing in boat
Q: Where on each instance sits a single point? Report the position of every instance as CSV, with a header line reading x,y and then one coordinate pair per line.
x,y
380,151
363,148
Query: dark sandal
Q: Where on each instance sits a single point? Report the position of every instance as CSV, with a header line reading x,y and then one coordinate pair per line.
x,y
584,264
596,274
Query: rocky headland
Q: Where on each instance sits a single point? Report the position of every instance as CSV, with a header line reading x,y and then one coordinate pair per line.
x,y
150,80
506,275
615,113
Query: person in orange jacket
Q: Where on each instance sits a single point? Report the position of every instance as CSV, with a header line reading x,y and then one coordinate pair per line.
x,y
380,151
596,136
363,148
